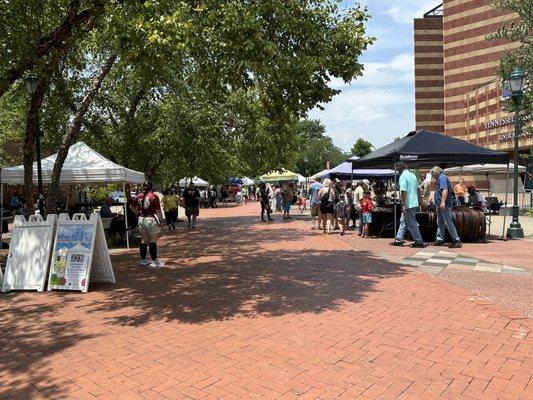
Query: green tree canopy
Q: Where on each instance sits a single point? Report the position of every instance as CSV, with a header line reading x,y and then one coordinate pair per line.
x,y
316,148
518,30
361,148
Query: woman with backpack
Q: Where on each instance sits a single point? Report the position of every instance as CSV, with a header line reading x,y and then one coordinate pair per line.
x,y
327,198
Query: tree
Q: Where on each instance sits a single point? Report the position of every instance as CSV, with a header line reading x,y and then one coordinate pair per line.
x,y
316,148
518,30
361,147
279,56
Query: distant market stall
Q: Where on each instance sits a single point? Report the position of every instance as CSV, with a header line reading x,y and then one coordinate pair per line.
x,y
424,149
196,180
83,165
279,176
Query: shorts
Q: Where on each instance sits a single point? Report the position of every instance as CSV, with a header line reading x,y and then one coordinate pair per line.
x,y
315,210
192,210
366,218
149,229
287,206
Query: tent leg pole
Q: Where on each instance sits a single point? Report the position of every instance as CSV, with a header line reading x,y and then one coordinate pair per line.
x,y
395,203
126,215
506,197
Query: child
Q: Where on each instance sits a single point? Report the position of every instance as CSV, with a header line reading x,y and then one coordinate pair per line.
x,y
302,203
342,211
366,212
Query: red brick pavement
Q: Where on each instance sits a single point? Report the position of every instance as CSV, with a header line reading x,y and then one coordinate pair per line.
x,y
262,311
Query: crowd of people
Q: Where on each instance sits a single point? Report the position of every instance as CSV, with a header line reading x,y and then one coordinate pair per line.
x,y
333,206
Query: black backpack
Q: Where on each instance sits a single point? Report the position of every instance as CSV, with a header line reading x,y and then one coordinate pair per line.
x,y
324,201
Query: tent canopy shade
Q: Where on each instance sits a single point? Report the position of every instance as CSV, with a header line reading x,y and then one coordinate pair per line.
x,y
322,174
425,148
197,181
344,171
279,176
82,165
483,169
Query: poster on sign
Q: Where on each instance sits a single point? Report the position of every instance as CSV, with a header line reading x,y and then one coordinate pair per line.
x,y
29,253
79,249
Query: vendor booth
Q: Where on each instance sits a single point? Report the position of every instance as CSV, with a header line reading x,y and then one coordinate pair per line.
x,y
197,182
83,165
279,176
345,172
424,149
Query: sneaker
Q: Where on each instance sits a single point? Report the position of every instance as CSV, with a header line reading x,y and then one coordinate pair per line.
x,y
396,243
438,243
156,264
143,262
456,245
419,245
193,227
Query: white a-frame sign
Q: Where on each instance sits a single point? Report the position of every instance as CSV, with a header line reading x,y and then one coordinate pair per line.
x,y
29,253
80,254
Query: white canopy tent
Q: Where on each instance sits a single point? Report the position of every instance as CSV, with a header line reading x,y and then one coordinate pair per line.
x,y
197,181
484,169
301,178
495,185
82,165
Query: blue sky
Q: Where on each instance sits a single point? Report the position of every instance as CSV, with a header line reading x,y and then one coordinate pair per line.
x,y
380,105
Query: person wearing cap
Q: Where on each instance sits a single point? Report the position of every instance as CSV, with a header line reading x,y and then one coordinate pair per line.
x,y
444,203
410,200
476,199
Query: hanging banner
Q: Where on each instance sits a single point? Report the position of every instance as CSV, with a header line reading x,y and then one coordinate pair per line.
x,y
29,253
80,254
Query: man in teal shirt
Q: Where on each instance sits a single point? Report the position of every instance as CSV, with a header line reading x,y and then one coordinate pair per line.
x,y
410,195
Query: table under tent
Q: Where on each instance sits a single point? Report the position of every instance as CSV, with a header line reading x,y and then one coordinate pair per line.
x,y
425,149
82,165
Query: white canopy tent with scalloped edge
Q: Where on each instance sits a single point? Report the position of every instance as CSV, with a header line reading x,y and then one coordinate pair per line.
x,y
83,165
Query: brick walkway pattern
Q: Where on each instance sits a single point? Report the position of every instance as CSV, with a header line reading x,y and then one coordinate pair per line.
x,y
249,310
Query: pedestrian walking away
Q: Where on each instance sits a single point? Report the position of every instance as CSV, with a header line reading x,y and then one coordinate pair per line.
x,y
443,198
410,202
170,207
314,200
147,208
191,198
327,208
341,210
264,196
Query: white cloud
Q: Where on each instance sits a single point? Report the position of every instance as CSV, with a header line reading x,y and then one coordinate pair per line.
x,y
403,11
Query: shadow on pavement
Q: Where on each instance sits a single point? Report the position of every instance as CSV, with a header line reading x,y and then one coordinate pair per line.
x,y
238,267
30,334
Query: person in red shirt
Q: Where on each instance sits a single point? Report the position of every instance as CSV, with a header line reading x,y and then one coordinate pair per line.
x,y
366,212
147,208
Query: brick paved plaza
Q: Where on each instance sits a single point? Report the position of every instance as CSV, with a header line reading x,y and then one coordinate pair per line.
x,y
250,310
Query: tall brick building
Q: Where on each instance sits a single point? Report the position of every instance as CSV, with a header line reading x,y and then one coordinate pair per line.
x,y
457,89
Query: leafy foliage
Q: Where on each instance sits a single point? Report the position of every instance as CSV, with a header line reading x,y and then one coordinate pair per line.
x,y
518,30
361,147
210,89
316,148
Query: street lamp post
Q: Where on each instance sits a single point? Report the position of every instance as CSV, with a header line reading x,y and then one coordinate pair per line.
x,y
516,82
32,80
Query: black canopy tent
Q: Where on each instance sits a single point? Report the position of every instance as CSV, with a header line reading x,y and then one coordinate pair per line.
x,y
425,149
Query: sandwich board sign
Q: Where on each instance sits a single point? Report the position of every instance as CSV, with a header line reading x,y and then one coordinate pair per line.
x,y
80,254
29,253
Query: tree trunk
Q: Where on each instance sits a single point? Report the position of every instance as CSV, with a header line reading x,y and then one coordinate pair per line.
x,y
32,124
73,130
58,39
